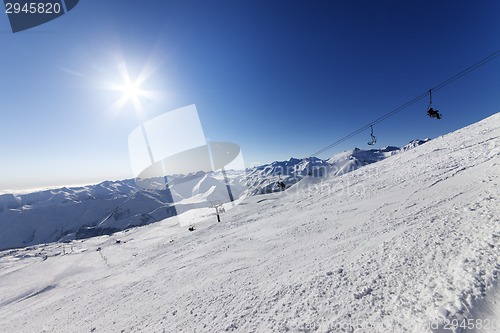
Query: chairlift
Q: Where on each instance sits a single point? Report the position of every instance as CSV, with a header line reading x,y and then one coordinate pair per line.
x,y
374,139
431,112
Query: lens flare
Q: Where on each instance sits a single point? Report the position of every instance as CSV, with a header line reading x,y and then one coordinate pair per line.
x,y
131,89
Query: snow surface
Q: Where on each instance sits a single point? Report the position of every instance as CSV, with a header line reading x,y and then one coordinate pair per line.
x,y
401,245
81,212
264,179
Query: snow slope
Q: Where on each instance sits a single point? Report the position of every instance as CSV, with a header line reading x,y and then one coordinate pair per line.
x,y
264,179
402,245
81,212
51,215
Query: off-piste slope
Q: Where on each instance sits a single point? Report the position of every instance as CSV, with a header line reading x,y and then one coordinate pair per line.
x,y
403,245
94,210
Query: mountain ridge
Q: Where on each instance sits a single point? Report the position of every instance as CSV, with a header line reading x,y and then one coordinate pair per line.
x,y
111,206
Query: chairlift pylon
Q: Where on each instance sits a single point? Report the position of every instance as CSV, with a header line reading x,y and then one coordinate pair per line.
x,y
430,111
374,139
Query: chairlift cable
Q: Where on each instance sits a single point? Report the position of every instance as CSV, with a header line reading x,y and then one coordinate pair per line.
x,y
413,101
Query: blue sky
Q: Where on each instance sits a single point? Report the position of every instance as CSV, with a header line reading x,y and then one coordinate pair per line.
x,y
279,78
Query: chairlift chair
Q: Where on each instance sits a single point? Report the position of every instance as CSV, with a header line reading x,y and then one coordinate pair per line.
x,y
431,112
374,139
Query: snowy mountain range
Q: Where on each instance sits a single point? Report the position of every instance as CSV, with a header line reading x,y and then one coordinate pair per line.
x,y
81,212
407,244
265,178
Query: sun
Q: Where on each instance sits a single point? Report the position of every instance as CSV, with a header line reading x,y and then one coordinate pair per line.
x,y
131,89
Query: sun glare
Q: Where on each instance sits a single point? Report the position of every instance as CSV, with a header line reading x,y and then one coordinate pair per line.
x,y
131,90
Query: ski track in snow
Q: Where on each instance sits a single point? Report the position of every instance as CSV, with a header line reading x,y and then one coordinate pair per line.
x,y
402,245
